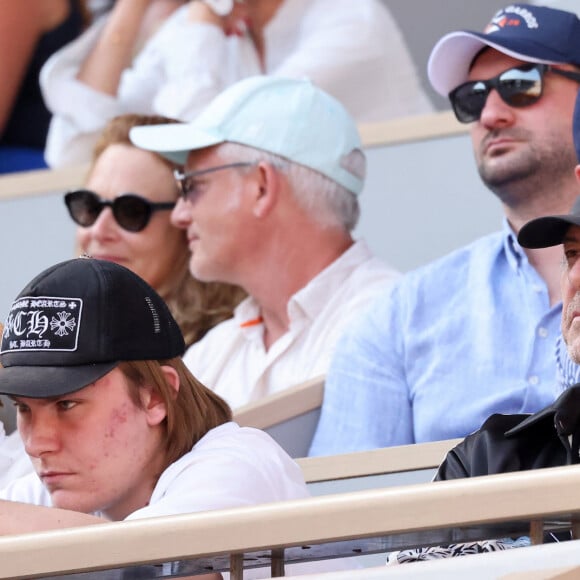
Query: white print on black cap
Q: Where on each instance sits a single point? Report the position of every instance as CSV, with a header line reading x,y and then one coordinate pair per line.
x,y
42,323
156,325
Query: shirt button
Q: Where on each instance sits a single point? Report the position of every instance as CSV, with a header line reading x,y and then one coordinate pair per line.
x,y
542,332
533,380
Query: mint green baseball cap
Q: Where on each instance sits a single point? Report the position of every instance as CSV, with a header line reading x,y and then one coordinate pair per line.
x,y
290,118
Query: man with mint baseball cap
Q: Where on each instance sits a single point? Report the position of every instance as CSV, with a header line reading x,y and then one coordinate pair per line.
x,y
287,117
272,172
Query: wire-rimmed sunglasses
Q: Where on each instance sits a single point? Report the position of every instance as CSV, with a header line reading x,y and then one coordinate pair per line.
x,y
186,181
518,87
132,212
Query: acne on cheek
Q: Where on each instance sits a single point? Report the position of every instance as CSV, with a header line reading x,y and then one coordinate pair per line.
x,y
118,418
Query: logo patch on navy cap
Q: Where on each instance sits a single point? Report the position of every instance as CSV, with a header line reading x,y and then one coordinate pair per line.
x,y
42,323
509,17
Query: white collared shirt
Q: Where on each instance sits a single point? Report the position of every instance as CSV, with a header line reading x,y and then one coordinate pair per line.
x,y
232,359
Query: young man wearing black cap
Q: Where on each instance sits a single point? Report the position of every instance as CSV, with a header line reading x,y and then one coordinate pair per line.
x,y
115,425
428,361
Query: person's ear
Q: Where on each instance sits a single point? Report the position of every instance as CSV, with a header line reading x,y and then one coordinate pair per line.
x,y
172,377
151,400
577,171
268,189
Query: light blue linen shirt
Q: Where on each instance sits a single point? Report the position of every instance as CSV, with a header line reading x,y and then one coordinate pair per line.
x,y
466,336
568,370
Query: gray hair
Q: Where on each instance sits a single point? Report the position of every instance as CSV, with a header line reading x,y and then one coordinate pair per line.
x,y
330,204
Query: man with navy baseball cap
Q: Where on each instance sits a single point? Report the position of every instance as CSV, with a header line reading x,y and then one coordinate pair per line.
x,y
428,361
273,171
550,437
534,34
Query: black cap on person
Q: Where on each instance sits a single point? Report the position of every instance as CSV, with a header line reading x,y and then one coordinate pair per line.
x,y
75,322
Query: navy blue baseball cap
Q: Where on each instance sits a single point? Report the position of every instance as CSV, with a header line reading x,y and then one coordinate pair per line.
x,y
522,31
75,322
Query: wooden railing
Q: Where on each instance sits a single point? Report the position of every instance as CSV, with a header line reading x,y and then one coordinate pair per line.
x,y
400,130
31,183
416,128
290,416
308,529
283,406
402,458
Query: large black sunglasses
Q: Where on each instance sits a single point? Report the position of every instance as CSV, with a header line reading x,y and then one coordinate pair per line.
x,y
132,212
518,87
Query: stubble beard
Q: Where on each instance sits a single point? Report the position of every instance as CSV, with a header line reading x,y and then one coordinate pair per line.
x,y
570,334
573,351
572,340
530,173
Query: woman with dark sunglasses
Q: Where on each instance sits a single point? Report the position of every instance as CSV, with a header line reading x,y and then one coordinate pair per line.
x,y
123,215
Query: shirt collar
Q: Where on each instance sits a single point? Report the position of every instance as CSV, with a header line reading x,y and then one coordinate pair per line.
x,y
515,254
568,370
313,297
247,314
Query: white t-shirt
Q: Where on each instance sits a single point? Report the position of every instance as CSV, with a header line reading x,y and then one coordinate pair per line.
x,y
231,466
232,360
352,49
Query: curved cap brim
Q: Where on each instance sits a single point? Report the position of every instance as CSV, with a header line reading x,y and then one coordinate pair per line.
x,y
173,141
451,58
546,231
41,382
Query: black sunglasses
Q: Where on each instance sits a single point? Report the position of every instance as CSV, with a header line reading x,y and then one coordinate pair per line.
x,y
518,87
132,212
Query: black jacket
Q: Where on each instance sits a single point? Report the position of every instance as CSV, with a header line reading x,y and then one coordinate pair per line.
x,y
549,438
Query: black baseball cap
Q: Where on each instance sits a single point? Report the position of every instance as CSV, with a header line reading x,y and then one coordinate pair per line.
x,y
75,322
551,230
